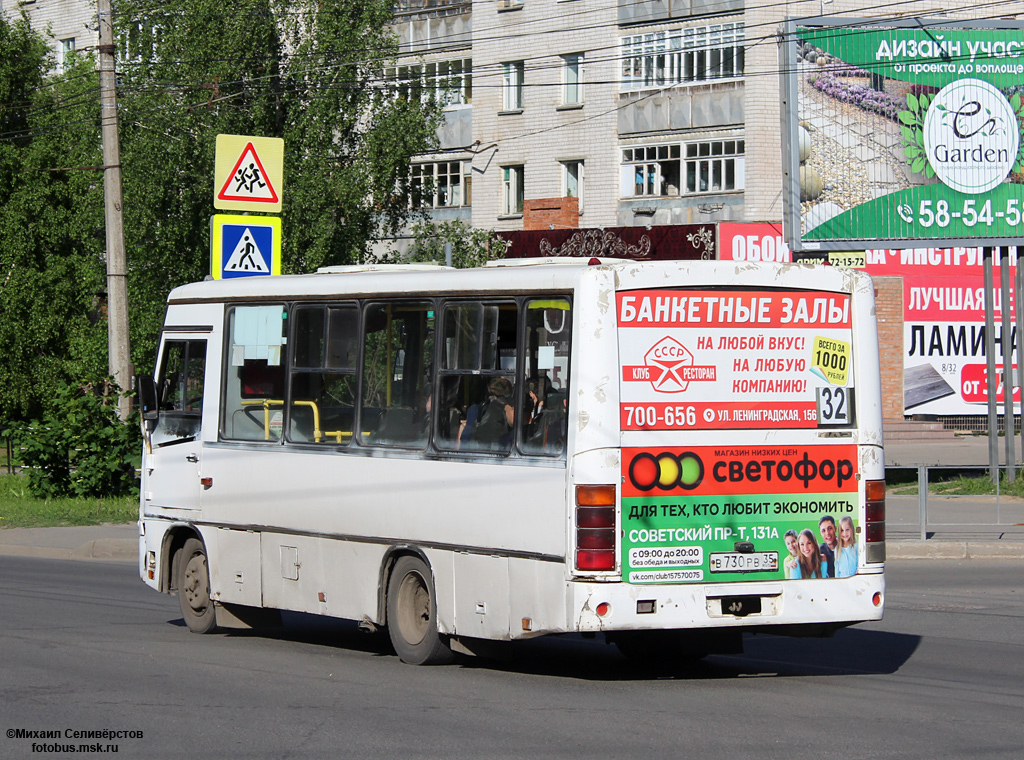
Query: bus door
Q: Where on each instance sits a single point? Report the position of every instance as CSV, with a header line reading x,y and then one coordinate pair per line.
x,y
172,459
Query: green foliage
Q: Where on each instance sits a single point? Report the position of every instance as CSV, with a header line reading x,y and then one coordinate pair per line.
x,y
470,247
912,127
1018,108
304,71
79,448
188,70
51,224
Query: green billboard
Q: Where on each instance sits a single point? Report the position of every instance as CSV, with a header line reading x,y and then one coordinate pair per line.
x,y
903,134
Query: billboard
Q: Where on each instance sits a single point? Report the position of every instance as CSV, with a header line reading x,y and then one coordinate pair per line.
x,y
902,134
944,363
734,359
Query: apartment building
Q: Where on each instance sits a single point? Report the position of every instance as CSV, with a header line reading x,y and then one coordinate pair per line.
x,y
614,113
631,112
71,24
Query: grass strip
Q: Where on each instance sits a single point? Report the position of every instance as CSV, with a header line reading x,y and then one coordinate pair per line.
x,y
19,509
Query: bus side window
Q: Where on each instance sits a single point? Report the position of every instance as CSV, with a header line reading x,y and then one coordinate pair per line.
x,y
544,421
180,389
398,351
253,408
477,376
325,342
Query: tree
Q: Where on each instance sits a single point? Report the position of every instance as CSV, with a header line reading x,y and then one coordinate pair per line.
x,y
470,247
309,72
51,223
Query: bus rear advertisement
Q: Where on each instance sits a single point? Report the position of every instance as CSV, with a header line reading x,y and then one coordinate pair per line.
x,y
670,454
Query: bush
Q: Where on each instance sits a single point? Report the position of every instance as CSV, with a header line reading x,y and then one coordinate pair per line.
x,y
80,448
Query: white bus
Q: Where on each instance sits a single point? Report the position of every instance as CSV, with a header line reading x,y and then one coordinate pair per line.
x,y
667,453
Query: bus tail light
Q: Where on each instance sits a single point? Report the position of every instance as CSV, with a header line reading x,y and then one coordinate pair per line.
x,y
595,527
874,520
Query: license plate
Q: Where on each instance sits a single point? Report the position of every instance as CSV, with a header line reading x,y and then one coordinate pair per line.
x,y
738,562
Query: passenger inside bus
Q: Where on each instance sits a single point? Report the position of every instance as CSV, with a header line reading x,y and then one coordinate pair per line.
x,y
488,425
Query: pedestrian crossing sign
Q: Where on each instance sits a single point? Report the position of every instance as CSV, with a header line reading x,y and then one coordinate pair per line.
x,y
248,173
245,246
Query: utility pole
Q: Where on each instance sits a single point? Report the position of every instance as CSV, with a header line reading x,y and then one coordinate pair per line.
x,y
119,358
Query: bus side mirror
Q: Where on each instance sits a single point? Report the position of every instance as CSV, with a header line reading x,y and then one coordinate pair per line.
x,y
145,387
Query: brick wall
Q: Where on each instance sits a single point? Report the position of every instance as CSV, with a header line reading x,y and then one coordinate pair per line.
x,y
551,213
889,313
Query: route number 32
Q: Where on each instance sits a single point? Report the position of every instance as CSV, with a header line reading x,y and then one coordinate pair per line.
x,y
834,406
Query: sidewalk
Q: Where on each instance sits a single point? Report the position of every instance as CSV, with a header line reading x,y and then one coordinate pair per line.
x,y
118,543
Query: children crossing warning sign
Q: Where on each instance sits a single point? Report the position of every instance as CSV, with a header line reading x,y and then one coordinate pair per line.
x,y
244,246
248,174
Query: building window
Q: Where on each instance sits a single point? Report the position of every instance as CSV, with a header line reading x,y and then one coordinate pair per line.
x,y
65,50
512,86
138,43
512,190
656,170
651,170
450,82
682,56
572,79
441,185
714,167
572,181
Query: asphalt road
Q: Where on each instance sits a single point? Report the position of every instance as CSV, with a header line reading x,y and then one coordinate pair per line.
x,y
84,646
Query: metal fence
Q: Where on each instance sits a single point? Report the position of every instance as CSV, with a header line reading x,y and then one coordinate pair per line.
x,y
923,519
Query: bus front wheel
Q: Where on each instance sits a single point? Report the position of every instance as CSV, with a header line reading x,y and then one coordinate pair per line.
x,y
412,615
194,587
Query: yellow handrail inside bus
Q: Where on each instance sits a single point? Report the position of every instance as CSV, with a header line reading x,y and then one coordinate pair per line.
x,y
268,402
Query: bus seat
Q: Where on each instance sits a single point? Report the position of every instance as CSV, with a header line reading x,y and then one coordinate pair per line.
x,y
398,426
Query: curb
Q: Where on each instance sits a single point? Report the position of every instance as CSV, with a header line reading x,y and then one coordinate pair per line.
x,y
963,550
100,549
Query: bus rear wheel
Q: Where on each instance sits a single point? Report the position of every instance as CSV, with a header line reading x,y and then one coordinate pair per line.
x,y
194,587
412,615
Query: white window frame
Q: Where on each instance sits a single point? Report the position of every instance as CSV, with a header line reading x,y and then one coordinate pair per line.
x,y
450,81
700,167
65,49
572,79
512,76
138,42
441,184
513,180
682,57
714,166
648,170
574,171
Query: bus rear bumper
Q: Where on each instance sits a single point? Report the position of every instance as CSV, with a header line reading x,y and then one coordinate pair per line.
x,y
809,604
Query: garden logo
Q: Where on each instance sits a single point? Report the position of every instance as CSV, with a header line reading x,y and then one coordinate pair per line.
x,y
971,136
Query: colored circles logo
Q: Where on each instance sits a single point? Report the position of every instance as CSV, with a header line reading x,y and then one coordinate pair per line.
x,y
666,471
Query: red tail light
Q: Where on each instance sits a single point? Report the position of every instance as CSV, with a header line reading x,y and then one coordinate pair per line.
x,y
874,520
595,527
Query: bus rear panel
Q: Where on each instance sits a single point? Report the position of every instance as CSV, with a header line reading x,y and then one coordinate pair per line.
x,y
748,487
